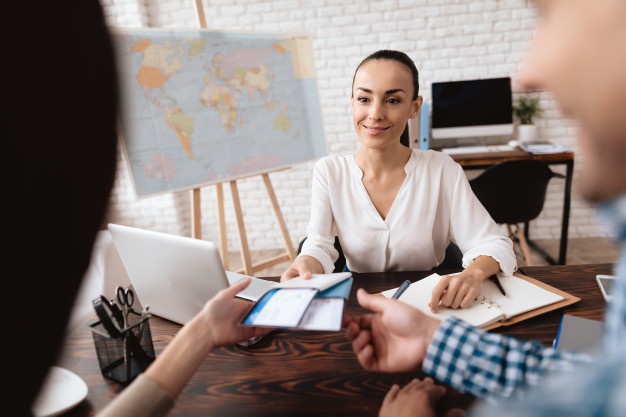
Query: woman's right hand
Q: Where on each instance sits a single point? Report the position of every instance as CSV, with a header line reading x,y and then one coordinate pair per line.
x,y
303,266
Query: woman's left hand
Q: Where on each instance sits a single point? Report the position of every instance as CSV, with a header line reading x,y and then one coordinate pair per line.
x,y
459,290
456,290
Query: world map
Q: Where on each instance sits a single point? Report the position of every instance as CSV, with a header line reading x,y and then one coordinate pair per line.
x,y
202,107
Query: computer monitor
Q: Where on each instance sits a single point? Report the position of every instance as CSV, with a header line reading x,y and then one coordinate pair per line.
x,y
472,108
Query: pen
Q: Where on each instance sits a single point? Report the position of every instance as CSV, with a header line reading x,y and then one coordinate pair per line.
x,y
401,289
495,280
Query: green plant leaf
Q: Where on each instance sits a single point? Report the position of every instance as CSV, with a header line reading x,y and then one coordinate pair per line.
x,y
527,108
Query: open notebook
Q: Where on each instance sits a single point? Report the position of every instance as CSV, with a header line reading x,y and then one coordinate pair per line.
x,y
526,297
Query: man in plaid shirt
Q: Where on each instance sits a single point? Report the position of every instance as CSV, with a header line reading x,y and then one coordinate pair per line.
x,y
579,54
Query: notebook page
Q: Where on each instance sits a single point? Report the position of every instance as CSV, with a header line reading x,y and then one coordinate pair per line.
x,y
418,295
521,295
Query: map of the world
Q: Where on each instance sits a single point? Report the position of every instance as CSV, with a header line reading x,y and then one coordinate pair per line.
x,y
202,107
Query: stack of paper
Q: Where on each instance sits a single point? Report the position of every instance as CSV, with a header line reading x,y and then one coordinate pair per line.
x,y
543,147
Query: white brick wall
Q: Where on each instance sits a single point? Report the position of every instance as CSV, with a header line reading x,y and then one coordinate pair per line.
x,y
448,39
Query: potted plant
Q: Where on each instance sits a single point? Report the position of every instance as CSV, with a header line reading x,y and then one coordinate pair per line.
x,y
526,109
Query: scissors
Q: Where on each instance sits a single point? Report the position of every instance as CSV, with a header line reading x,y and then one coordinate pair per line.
x,y
126,299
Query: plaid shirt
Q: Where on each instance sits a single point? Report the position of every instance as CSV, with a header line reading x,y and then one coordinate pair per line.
x,y
493,367
594,390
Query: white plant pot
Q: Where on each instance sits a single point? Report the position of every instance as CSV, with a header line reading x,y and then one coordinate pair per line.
x,y
526,133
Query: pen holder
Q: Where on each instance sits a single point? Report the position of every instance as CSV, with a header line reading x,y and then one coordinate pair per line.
x,y
128,353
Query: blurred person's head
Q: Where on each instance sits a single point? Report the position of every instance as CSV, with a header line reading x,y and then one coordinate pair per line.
x,y
578,53
60,137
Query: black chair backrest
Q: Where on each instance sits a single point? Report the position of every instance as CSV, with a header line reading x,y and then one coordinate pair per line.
x,y
513,191
453,259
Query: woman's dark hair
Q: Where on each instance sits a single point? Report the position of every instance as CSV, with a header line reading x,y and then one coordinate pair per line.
x,y
400,57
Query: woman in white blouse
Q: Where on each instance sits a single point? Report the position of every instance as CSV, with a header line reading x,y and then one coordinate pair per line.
x,y
394,208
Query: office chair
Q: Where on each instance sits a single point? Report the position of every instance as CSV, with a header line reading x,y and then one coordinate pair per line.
x,y
453,259
514,192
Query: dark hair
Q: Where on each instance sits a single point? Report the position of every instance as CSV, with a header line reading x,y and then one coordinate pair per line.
x,y
400,57
82,106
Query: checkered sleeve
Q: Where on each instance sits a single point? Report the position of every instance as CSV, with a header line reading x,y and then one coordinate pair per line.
x,y
593,390
488,365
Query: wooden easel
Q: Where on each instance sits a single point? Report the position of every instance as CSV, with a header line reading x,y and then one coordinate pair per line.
x,y
248,267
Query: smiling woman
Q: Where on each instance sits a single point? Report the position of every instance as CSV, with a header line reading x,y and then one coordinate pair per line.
x,y
410,204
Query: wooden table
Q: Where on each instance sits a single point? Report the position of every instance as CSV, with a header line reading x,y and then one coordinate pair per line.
x,y
473,161
312,373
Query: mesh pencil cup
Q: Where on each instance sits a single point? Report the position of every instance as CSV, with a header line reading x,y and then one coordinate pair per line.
x,y
127,353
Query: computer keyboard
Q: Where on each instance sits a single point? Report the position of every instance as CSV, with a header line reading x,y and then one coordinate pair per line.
x,y
477,149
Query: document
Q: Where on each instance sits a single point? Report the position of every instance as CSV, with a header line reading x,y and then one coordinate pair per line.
x,y
525,297
259,286
318,281
281,308
313,304
543,147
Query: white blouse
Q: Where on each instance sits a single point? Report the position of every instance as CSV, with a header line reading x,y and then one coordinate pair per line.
x,y
434,206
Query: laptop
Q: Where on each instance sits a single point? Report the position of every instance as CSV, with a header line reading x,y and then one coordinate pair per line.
x,y
176,275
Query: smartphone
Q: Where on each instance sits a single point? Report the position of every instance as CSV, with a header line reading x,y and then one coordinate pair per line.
x,y
606,284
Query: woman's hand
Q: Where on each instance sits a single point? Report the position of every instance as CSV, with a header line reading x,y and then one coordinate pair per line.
x,y
459,290
303,266
456,290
